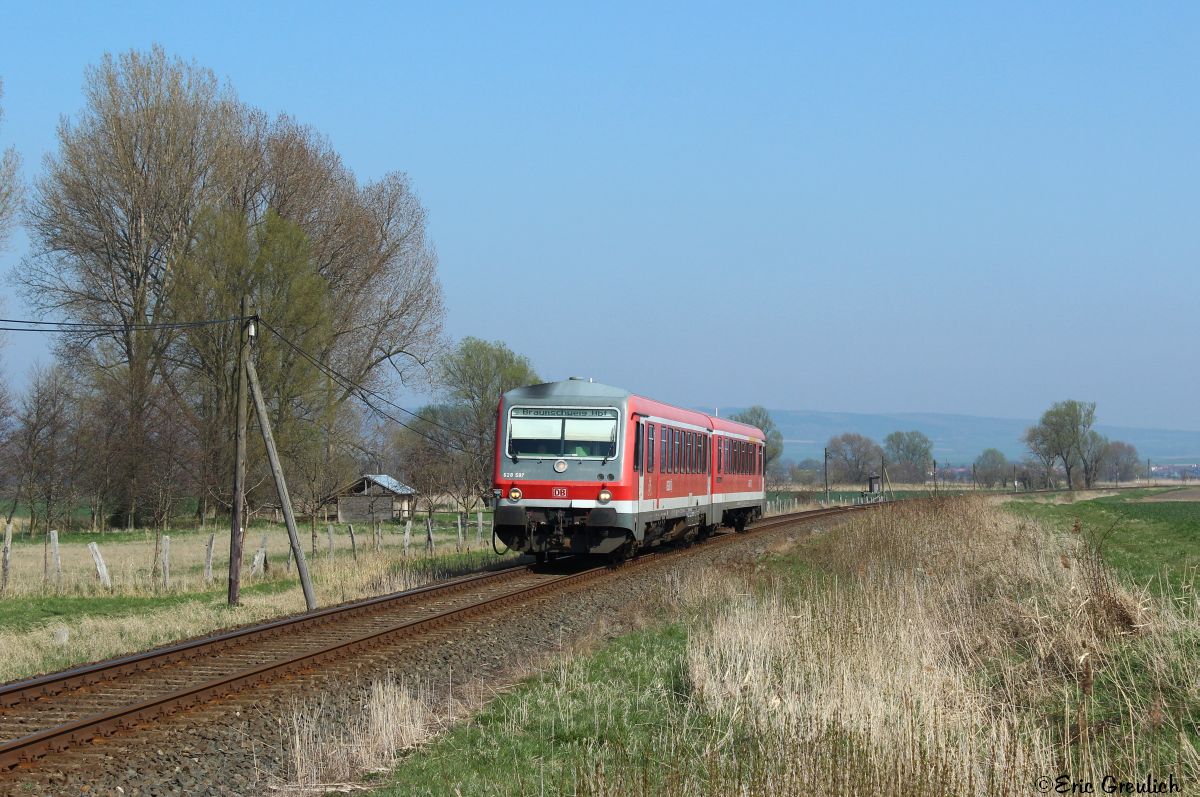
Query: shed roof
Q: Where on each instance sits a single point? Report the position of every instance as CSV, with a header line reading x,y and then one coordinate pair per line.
x,y
388,483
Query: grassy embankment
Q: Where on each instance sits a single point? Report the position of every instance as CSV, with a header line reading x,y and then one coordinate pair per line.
x,y
955,649
48,623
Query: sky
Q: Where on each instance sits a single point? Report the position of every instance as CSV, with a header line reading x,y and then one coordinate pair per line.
x,y
897,207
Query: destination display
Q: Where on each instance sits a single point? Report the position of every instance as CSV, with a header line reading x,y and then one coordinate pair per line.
x,y
563,412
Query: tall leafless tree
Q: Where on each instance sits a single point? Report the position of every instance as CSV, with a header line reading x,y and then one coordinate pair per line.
x,y
10,185
114,212
853,457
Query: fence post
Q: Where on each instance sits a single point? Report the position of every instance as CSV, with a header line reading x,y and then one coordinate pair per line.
x,y
429,535
458,520
208,554
166,562
57,559
7,553
101,570
407,535
329,541
479,527
353,541
377,537
259,566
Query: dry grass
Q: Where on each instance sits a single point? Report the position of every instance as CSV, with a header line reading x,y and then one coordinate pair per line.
x,y
330,742
929,662
85,637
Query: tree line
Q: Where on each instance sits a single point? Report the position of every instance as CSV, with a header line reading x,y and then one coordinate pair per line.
x,y
166,200
1062,446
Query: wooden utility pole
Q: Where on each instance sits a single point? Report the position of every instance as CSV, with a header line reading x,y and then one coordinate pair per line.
x,y
239,464
264,424
826,477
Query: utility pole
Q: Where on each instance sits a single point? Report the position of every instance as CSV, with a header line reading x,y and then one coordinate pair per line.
x,y
239,465
264,424
827,476
935,477
974,482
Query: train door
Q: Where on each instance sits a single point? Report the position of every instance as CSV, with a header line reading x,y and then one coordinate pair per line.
x,y
647,494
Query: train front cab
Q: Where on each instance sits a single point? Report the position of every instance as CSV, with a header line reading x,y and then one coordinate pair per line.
x,y
562,470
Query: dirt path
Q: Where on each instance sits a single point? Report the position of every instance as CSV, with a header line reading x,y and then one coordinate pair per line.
x,y
1188,494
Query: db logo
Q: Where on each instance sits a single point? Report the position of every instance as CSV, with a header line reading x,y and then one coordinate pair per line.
x,y
560,492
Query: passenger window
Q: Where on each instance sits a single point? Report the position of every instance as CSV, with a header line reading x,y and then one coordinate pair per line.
x,y
637,448
649,448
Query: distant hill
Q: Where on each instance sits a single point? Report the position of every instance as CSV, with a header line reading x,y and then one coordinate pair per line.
x,y
959,439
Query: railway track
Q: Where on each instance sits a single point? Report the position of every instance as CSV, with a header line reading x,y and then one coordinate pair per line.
x,y
53,713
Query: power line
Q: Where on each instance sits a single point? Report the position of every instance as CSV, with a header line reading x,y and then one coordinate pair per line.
x,y
361,392
86,327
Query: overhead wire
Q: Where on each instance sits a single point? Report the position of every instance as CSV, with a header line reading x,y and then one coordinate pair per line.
x,y
80,327
361,392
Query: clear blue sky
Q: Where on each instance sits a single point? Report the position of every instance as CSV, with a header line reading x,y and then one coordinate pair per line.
x,y
893,207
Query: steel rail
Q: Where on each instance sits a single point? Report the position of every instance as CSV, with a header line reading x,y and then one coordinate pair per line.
x,y
26,749
88,674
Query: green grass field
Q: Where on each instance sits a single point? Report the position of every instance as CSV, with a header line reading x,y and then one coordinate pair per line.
x,y
1149,543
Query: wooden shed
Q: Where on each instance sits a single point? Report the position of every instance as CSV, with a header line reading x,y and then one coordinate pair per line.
x,y
375,498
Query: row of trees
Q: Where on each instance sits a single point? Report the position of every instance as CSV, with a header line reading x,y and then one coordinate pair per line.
x,y
854,457
167,200
1062,445
1064,438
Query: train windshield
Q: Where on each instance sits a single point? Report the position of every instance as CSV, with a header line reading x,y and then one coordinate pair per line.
x,y
577,432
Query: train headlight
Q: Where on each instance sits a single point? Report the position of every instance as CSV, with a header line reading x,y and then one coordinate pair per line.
x,y
515,494
560,466
605,496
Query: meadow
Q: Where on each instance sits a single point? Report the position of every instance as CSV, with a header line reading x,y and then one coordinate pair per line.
x,y
50,621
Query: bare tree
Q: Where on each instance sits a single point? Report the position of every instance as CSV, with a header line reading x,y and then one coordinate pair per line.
x,y
853,457
10,185
910,453
1092,448
115,211
41,447
1037,441
991,468
1122,460
1063,432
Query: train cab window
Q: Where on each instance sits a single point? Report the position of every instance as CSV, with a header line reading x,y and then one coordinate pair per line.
x,y
649,448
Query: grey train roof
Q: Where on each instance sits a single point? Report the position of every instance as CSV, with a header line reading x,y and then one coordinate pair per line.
x,y
566,389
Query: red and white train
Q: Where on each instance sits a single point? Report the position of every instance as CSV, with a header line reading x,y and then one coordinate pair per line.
x,y
587,468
